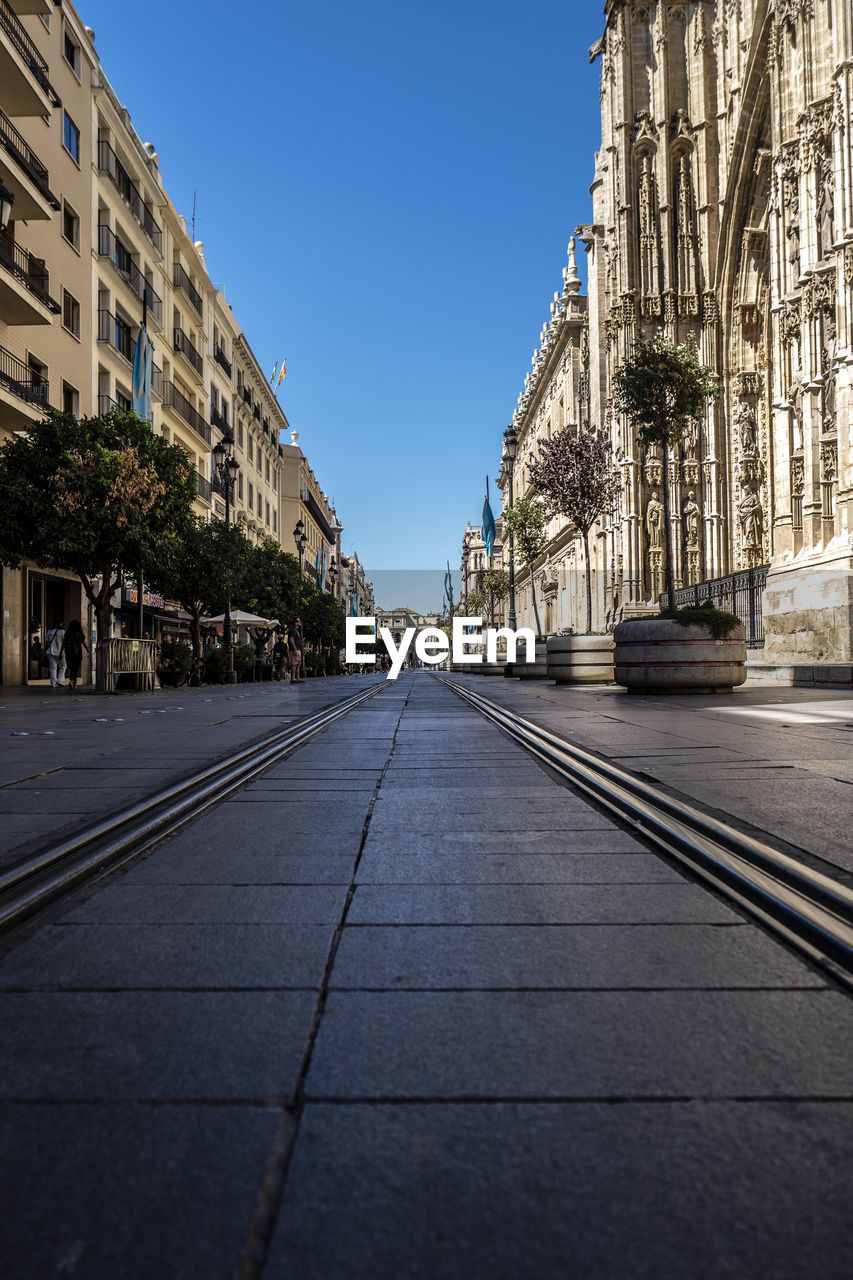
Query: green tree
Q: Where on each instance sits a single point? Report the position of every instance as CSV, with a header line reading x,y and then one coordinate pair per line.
x,y
203,569
274,587
575,477
496,584
660,388
525,520
324,621
95,496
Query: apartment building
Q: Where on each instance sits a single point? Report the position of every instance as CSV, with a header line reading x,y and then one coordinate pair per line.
x,y
94,247
46,151
302,500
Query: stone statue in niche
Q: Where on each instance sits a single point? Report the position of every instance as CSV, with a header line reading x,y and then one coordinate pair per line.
x,y
826,207
690,512
751,519
746,421
654,521
795,400
828,370
792,231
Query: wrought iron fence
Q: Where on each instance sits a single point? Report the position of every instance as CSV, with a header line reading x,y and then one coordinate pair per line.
x,y
188,351
108,162
740,593
182,281
23,153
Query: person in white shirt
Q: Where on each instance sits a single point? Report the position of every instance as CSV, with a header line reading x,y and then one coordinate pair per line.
x,y
54,648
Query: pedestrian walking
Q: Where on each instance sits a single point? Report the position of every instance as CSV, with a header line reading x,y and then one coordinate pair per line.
x,y
279,657
72,648
53,643
294,648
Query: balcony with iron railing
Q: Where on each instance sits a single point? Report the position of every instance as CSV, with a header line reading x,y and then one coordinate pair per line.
x,y
256,412
21,154
108,162
106,404
221,359
203,486
157,380
110,246
218,419
188,351
23,278
176,400
22,381
20,65
116,333
181,280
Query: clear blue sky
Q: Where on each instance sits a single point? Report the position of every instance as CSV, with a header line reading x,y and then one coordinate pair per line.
x,y
386,191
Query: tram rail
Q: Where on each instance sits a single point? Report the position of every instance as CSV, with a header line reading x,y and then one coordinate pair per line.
x,y
807,908
55,869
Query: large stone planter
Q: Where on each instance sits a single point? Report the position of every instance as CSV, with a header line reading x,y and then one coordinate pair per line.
x,y
580,659
657,654
537,670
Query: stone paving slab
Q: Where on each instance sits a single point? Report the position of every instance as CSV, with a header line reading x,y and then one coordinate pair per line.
x,y
472,904
190,1172
711,1191
127,956
122,903
564,957
523,1044
563,812
424,864
173,1045
585,839
192,866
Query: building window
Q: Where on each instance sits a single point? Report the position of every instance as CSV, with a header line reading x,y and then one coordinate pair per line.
x,y
71,137
70,313
268,514
240,485
70,399
239,435
268,470
250,448
251,497
70,225
71,53
274,520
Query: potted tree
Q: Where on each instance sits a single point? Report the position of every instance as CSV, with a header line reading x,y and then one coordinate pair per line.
x,y
660,388
526,520
575,477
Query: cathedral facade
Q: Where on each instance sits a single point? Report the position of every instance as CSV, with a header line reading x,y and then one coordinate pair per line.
x,y
722,208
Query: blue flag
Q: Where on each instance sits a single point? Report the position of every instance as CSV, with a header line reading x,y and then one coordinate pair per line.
x,y
320,568
448,586
489,529
141,379
353,613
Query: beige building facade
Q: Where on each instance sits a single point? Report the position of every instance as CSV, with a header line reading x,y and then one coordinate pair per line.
x,y
722,208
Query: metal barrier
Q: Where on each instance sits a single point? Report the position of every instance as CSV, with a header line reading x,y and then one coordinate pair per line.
x,y
123,657
739,593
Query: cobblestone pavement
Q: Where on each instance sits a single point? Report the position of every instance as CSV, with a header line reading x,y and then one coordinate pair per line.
x,y
408,1007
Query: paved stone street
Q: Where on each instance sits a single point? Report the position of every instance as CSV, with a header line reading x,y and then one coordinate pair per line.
x,y
409,1007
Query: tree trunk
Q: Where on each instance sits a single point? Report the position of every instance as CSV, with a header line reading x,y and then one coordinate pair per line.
x,y
669,575
588,576
195,640
535,610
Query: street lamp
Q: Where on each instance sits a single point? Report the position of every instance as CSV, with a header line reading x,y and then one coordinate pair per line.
x,y
227,467
300,539
333,574
7,199
510,451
